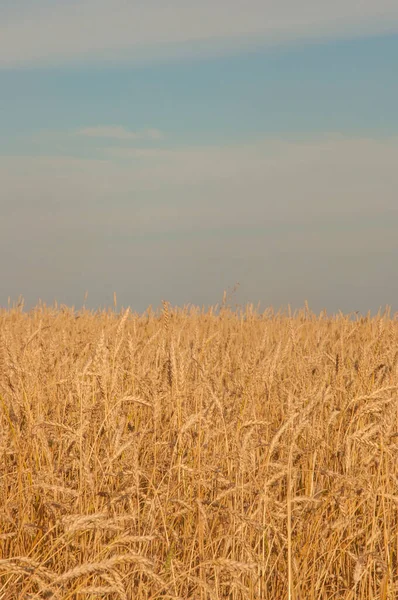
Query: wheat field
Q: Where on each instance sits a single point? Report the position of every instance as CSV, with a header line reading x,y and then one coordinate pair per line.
x,y
204,454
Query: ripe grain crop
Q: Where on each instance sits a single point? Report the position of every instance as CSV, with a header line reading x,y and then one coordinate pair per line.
x,y
198,454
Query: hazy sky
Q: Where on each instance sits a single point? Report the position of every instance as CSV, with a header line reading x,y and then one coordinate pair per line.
x,y
169,150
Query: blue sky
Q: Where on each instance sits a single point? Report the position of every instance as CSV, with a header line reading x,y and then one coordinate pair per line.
x,y
261,148
340,85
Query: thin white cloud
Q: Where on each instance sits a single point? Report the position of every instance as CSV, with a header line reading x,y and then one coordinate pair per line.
x,y
289,220
242,184
53,32
272,178
119,133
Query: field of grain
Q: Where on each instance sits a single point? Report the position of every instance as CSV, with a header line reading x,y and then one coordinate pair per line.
x,y
198,454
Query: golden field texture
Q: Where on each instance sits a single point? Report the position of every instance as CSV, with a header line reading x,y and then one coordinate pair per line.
x,y
198,454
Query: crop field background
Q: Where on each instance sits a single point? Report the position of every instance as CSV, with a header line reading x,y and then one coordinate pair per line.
x,y
198,454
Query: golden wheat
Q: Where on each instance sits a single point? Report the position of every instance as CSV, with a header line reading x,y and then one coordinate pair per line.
x,y
198,454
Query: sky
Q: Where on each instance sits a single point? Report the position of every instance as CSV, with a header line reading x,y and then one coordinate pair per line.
x,y
168,151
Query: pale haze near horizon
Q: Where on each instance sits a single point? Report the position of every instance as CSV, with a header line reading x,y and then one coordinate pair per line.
x,y
253,146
